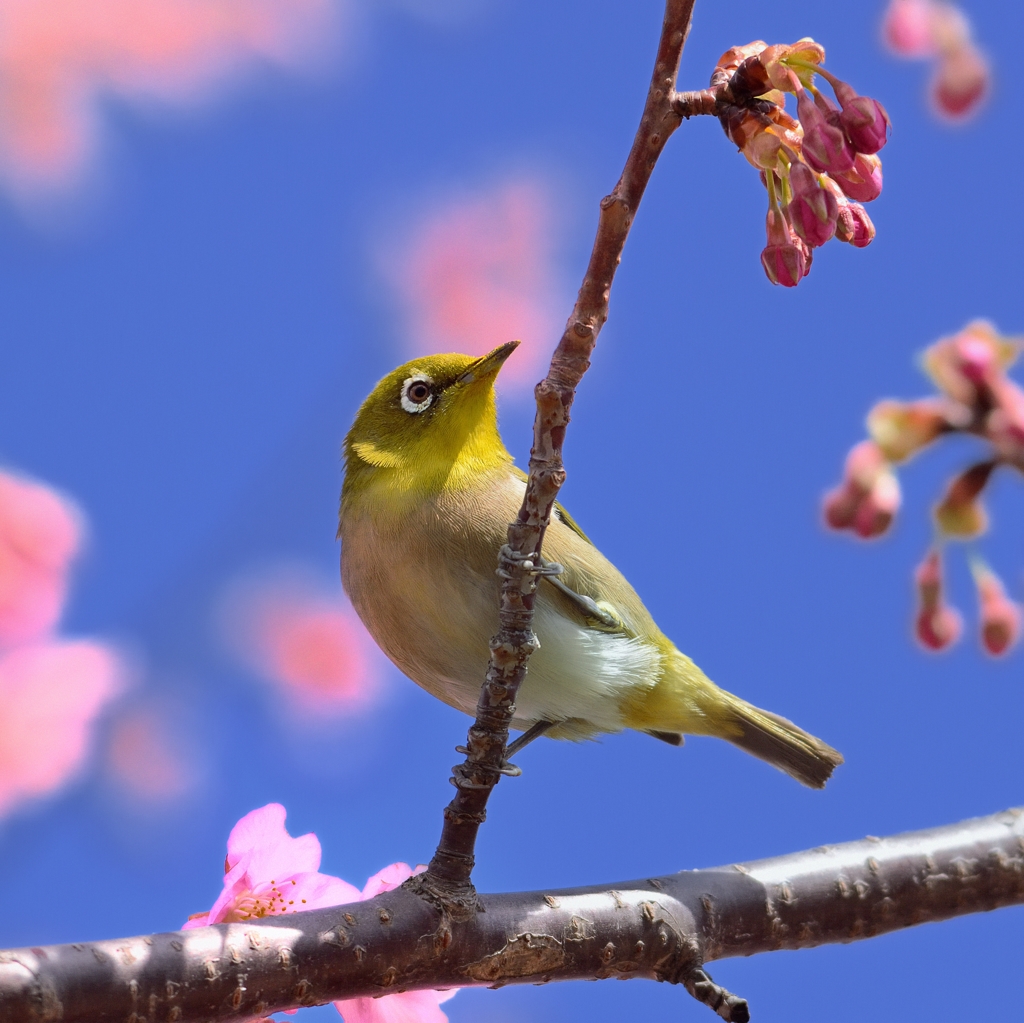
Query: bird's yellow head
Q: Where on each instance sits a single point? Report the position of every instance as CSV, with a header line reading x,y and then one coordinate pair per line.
x,y
430,425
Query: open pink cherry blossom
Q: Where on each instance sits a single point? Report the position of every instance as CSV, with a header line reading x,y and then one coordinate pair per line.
x,y
269,873
40,535
51,695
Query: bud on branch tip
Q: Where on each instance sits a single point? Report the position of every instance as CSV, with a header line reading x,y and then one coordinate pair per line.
x,y
812,166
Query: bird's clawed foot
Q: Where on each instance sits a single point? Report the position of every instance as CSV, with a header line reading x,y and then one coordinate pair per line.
x,y
533,564
531,733
525,739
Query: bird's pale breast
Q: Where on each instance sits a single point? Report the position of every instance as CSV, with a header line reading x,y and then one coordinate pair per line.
x,y
422,577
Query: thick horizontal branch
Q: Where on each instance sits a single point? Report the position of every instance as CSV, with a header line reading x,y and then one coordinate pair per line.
x,y
660,928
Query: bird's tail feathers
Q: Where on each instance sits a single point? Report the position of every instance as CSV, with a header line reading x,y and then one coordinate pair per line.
x,y
686,700
781,743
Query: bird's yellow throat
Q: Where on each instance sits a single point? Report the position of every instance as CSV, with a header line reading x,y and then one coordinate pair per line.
x,y
427,428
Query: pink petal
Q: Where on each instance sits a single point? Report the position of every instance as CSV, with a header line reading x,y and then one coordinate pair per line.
x,y
268,851
322,890
389,878
236,885
408,1007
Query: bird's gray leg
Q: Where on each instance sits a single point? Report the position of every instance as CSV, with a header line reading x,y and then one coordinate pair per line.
x,y
592,611
531,733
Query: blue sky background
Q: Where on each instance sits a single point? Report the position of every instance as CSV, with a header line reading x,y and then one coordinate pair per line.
x,y
185,354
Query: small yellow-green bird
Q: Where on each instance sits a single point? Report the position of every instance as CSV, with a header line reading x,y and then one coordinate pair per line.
x,y
428,494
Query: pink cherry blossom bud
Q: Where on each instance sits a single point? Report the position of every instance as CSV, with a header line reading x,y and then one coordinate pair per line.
x,y
1000,616
808,254
825,146
961,82
1004,424
977,359
863,181
784,258
864,464
902,429
907,28
840,505
863,227
863,119
937,625
970,364
960,513
869,496
853,225
938,628
876,511
813,209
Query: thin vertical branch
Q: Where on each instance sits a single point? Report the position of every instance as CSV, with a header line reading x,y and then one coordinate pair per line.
x,y
448,878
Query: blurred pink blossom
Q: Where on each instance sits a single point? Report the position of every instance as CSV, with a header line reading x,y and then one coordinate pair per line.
x,y
939,29
269,873
147,758
907,28
304,638
51,691
51,695
961,82
40,534
478,272
57,63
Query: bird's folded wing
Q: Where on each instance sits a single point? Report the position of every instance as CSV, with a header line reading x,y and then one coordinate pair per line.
x,y
577,592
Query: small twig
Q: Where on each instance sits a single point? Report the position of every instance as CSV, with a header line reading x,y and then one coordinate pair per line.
x,y
664,928
730,1007
694,104
448,877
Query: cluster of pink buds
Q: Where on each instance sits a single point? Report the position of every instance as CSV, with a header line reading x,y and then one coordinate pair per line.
x,y
975,397
939,31
869,496
818,167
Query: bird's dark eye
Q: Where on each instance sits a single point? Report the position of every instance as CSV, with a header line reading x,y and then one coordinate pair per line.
x,y
417,394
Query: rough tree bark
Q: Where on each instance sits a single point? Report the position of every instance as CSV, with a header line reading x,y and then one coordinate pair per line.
x,y
663,928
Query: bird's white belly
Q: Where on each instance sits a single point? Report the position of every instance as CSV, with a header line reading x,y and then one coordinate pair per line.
x,y
581,675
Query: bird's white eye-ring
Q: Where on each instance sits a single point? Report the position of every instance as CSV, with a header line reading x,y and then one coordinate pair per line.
x,y
416,393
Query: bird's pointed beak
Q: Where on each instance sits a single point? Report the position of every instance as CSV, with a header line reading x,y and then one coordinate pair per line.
x,y
489,364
